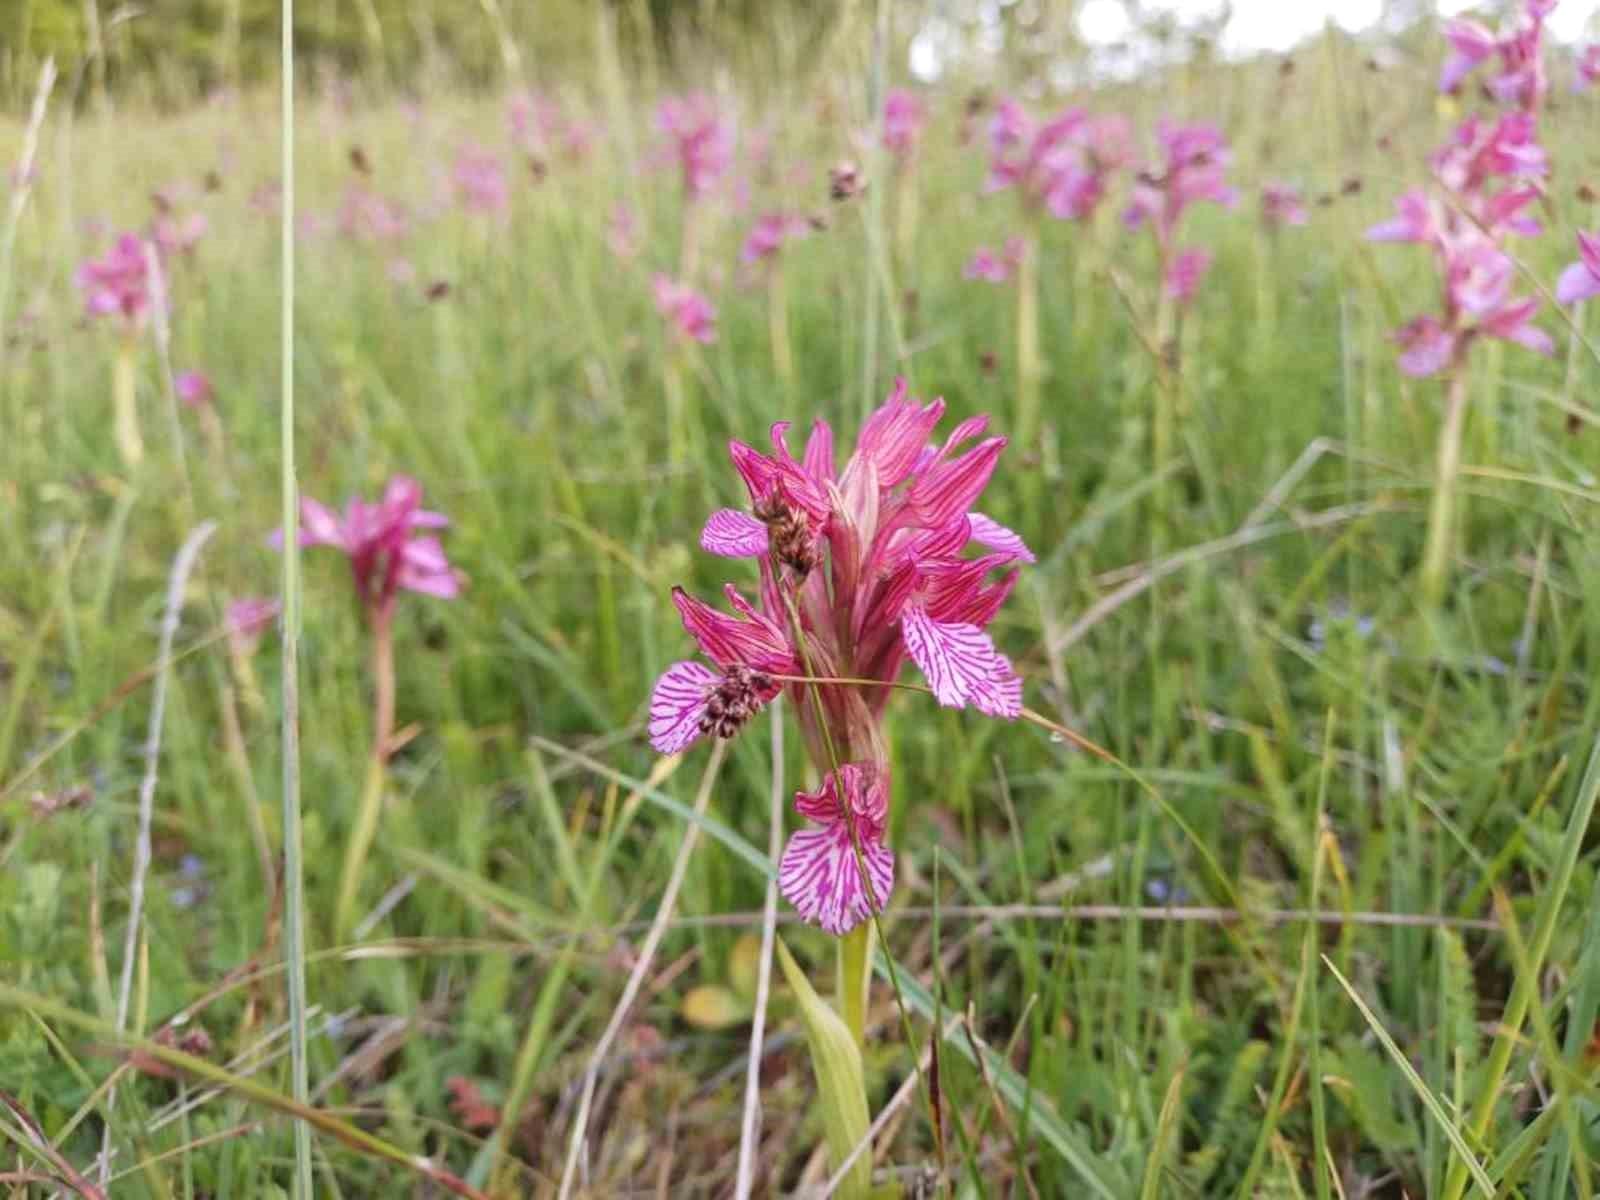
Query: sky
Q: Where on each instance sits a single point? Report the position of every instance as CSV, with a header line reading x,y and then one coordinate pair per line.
x,y
1277,25
1255,26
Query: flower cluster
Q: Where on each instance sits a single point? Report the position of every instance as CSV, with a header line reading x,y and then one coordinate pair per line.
x,y
1486,178
541,128
386,552
771,231
1588,68
860,569
119,284
689,313
903,118
701,139
1581,281
1520,80
994,267
480,181
1063,165
1281,205
1193,170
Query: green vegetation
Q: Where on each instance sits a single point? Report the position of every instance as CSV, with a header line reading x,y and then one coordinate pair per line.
x,y
1243,630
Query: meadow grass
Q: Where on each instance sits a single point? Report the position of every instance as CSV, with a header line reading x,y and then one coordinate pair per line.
x,y
1330,926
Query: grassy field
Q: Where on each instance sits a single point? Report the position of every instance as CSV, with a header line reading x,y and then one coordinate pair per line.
x,y
1325,923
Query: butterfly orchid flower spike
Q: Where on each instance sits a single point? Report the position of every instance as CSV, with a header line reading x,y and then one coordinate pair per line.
x,y
858,571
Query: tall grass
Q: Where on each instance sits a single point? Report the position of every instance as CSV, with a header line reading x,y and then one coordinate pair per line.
x,y
1150,1009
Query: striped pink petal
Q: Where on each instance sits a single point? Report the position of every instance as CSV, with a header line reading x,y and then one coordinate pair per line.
x,y
820,876
956,658
988,532
734,534
1000,695
677,704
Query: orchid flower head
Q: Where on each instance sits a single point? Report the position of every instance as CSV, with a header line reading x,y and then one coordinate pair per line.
x,y
387,552
700,137
119,284
1581,280
688,312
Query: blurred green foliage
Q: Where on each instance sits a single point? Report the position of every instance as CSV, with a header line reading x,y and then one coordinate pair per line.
x,y
173,50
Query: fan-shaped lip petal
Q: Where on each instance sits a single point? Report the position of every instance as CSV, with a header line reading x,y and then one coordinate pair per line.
x,y
821,877
954,657
986,531
319,526
677,704
734,534
1000,695
1577,282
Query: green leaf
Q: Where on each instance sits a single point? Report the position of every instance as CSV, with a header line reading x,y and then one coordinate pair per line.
x,y
841,1085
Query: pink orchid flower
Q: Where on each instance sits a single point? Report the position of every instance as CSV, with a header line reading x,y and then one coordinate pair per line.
x,y
366,216
173,235
247,619
1521,80
622,232
1193,171
689,312
860,570
387,554
1581,281
119,284
771,231
1062,165
193,388
480,182
1187,269
1588,68
1281,205
903,118
985,264
700,137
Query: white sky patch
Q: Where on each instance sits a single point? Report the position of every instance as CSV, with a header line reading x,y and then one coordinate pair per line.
x,y
1277,25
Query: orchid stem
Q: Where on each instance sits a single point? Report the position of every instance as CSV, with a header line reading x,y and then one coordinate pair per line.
x,y
371,807
1028,366
677,416
778,322
125,399
1442,512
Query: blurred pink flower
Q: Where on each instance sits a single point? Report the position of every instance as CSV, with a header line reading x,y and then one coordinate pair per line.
x,y
480,181
386,553
1184,273
903,118
769,234
1521,80
1588,68
690,313
1281,205
1426,347
119,284
366,216
193,388
622,232
542,128
1193,170
1063,165
1581,281
173,235
247,619
985,264
701,139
